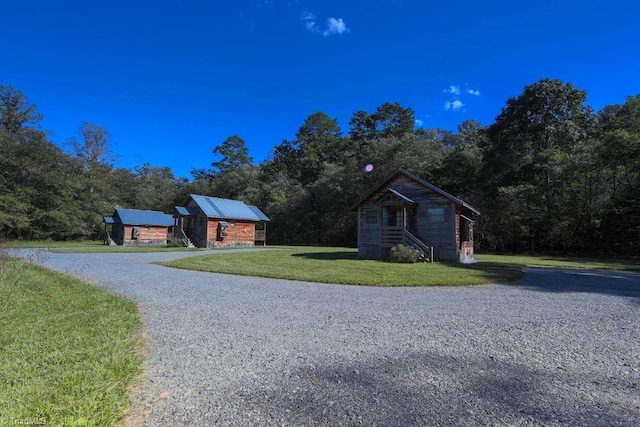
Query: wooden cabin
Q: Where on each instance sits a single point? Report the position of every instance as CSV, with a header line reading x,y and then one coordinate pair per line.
x,y
138,227
211,222
404,209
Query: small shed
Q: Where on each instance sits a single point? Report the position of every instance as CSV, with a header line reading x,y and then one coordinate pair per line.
x,y
210,222
138,227
404,209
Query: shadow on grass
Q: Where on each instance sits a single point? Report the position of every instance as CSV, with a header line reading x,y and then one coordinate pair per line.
x,y
329,256
496,271
553,279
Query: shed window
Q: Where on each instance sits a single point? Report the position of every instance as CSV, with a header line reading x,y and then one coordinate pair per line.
x,y
435,214
371,216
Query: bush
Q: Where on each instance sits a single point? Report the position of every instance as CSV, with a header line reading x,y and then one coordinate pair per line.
x,y
404,254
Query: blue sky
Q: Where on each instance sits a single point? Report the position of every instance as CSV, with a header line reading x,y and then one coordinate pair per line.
x,y
171,80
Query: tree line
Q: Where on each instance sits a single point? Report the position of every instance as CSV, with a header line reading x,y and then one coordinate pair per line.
x,y
549,174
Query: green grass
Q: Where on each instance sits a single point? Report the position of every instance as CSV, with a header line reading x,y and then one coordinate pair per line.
x,y
560,261
26,244
90,246
121,249
69,352
342,265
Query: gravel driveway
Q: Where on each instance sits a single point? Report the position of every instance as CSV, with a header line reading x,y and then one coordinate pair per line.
x,y
560,347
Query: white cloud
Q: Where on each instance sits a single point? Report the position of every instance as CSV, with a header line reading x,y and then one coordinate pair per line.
x,y
309,20
419,123
453,90
473,92
454,105
335,26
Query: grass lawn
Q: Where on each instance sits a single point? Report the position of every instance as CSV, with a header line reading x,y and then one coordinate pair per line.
x,y
69,352
565,262
90,246
342,265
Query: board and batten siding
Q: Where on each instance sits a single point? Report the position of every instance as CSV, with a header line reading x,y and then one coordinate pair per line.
x,y
369,235
442,232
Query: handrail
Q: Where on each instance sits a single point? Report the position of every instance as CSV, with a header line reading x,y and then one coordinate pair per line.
x,y
195,238
412,240
110,241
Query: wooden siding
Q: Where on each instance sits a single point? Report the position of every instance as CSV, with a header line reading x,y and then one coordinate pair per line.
x,y
441,232
464,246
374,240
152,235
239,233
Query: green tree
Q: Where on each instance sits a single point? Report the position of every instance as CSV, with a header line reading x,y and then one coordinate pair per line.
x,y
621,154
389,120
36,179
234,153
15,110
532,145
462,165
94,159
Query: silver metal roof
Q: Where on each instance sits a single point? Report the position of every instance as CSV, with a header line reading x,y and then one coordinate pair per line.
x,y
420,181
140,217
258,213
214,207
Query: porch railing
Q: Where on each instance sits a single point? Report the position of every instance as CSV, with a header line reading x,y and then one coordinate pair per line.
x,y
410,239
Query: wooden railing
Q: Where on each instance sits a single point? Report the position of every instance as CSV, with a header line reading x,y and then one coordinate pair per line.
x,y
180,234
397,235
108,240
391,236
410,239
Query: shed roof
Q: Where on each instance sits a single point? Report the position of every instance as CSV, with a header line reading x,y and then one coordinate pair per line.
x,y
182,211
215,207
258,213
140,217
397,172
108,220
398,195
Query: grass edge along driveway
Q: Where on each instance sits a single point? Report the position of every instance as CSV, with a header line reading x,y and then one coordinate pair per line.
x,y
342,266
70,351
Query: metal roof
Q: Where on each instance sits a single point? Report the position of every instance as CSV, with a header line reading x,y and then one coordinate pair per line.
x,y
420,181
402,196
182,210
188,211
258,213
140,217
108,220
214,207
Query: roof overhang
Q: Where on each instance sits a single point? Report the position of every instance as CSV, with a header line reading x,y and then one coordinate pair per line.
x,y
432,187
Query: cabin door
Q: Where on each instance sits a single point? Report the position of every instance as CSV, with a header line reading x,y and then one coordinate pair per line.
x,y
394,217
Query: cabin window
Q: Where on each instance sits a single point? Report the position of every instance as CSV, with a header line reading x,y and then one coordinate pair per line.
x,y
435,214
135,232
371,216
